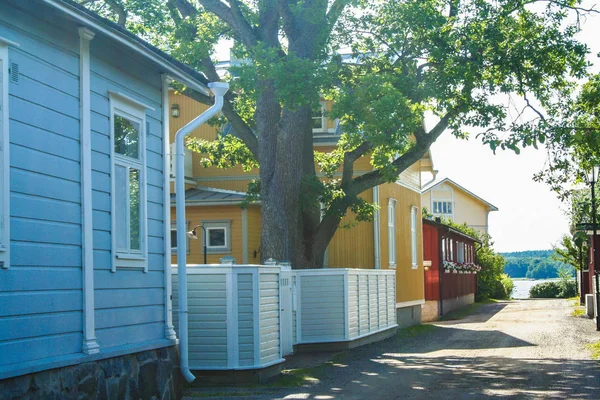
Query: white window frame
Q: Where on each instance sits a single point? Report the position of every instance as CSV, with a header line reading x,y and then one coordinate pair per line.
x,y
4,155
460,252
413,237
131,109
214,225
392,256
439,203
323,119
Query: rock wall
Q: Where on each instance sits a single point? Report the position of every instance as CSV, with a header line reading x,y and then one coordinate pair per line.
x,y
148,375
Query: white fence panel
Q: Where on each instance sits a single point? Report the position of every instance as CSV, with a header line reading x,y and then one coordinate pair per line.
x,y
336,305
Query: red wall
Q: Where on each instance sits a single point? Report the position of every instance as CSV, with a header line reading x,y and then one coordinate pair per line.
x,y
431,252
453,284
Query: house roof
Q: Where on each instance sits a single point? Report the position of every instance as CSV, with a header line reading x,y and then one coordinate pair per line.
x,y
450,229
451,182
175,69
208,196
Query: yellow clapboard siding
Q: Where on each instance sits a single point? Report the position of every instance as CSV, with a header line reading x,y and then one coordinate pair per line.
x,y
196,215
409,281
353,247
237,185
254,230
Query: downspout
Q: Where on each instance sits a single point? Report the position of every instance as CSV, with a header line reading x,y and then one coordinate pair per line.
x,y
219,89
376,236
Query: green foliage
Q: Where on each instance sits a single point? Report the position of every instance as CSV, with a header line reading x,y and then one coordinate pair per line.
x,y
563,289
536,264
508,285
225,152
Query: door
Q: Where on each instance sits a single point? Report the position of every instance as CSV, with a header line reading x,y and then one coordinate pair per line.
x,y
285,290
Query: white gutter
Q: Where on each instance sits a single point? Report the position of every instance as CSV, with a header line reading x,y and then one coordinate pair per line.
x,y
434,173
376,236
219,89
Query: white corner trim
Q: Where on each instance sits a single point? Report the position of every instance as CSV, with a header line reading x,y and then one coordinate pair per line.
x,y
169,329
128,99
7,42
245,235
90,343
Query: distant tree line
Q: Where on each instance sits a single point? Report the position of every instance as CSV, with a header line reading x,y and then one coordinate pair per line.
x,y
535,264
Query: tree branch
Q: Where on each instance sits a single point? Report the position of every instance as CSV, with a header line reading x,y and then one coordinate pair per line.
x,y
350,157
240,127
235,20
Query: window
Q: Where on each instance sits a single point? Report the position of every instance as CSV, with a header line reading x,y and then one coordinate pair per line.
x,y
451,250
319,121
460,252
442,207
392,232
4,159
413,236
128,183
174,237
444,250
218,237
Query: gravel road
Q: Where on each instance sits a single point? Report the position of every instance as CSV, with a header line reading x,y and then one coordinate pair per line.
x,y
529,349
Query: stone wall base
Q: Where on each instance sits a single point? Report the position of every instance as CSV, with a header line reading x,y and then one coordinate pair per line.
x,y
431,311
152,374
458,302
408,316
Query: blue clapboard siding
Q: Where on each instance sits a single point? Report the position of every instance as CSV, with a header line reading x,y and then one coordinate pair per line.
x,y
41,294
129,303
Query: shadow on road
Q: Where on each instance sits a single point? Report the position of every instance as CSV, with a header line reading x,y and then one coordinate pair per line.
x,y
463,378
483,314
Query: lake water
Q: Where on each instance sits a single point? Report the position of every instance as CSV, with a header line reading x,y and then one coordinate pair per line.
x,y
521,289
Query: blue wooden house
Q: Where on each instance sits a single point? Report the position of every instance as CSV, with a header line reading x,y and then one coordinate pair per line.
x,y
84,203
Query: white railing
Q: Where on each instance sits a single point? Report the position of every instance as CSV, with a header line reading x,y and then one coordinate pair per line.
x,y
188,169
337,305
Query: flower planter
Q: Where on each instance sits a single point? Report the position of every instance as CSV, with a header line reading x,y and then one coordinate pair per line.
x,y
447,270
454,271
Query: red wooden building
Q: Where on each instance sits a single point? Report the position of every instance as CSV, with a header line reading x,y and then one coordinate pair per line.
x,y
450,269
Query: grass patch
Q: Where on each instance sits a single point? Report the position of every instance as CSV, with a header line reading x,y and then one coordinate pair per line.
x,y
416,330
595,350
307,376
578,312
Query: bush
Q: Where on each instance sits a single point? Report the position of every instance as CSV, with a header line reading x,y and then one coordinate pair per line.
x,y
555,289
508,284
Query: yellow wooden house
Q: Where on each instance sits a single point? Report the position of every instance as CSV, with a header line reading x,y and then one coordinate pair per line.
x,y
392,241
447,199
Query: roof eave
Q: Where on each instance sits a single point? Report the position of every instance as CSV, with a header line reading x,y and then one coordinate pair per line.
x,y
173,70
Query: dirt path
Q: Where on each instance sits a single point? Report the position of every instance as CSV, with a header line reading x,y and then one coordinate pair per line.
x,y
521,349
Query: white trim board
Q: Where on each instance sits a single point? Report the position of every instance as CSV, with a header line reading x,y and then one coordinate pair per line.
x,y
410,303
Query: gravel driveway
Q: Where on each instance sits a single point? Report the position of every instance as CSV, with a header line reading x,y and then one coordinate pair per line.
x,y
531,349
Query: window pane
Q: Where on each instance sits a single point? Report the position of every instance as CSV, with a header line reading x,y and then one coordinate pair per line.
x,y
449,207
173,239
121,206
134,209
317,123
216,237
127,136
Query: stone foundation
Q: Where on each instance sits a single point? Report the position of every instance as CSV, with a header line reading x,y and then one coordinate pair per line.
x,y
408,316
431,311
152,374
458,302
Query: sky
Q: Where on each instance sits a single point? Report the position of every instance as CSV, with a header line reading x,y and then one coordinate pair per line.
x,y
530,217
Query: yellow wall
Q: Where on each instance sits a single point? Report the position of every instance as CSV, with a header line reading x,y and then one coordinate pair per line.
x,y
254,229
237,185
409,281
353,247
467,209
470,210
195,215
